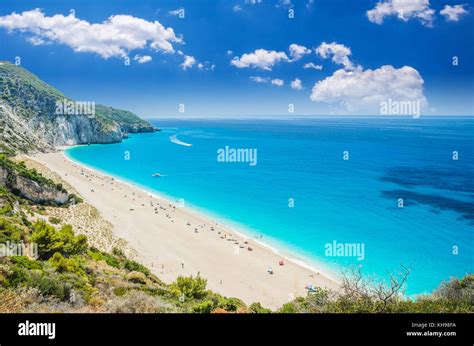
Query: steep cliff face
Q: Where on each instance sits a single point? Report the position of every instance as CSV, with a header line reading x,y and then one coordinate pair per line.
x,y
30,189
29,117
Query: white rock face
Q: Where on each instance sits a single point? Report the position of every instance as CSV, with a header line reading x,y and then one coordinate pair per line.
x,y
30,189
43,133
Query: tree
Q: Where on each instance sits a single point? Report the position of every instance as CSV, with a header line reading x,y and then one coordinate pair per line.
x,y
189,287
47,238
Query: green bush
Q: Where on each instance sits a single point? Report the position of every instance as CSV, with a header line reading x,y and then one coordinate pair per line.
x,y
73,245
134,266
137,277
193,288
16,276
54,220
26,263
231,304
70,265
10,231
205,307
259,309
74,199
103,256
120,291
50,240
50,285
118,252
47,238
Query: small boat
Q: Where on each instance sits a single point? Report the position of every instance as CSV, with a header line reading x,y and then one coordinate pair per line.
x,y
156,175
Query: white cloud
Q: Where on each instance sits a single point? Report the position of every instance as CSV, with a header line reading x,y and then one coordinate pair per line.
x,y
115,37
313,66
258,79
277,82
178,12
364,90
404,10
189,61
284,3
142,59
200,66
296,84
229,52
237,8
253,2
297,51
36,41
453,13
339,52
309,4
261,58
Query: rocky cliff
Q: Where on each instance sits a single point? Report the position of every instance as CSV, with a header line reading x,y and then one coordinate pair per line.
x,y
29,184
37,117
31,189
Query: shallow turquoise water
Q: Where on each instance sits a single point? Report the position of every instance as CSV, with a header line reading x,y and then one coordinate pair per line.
x,y
347,201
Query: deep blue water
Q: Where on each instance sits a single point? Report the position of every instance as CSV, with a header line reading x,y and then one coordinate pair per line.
x,y
347,201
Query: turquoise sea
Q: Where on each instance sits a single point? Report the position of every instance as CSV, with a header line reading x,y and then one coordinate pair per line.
x,y
302,194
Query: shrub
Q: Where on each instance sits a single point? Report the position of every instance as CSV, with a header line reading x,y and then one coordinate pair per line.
x,y
137,277
97,255
50,285
50,241
134,266
73,245
15,276
25,262
47,238
205,307
6,207
259,309
54,220
10,231
69,265
74,199
137,302
289,308
189,287
231,304
118,252
457,290
120,291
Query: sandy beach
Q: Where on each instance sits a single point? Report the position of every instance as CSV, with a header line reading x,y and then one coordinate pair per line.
x,y
173,241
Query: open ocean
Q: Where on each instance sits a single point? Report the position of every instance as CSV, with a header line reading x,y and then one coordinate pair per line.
x,y
301,194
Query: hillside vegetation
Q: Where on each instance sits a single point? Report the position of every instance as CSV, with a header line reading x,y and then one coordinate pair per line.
x,y
30,120
71,275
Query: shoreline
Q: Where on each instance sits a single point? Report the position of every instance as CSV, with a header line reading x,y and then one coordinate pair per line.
x,y
241,230
297,272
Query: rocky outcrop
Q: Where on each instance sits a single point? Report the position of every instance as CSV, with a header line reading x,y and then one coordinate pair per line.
x,y
30,189
30,121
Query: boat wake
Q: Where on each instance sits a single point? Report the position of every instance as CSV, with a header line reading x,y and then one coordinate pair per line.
x,y
175,140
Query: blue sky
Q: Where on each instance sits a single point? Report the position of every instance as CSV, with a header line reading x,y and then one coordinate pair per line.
x,y
359,49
